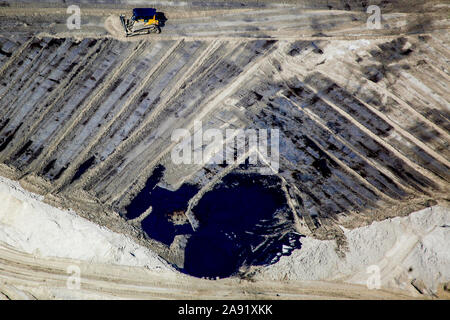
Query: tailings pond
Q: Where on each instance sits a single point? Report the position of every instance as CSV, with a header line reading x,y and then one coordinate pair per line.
x,y
244,220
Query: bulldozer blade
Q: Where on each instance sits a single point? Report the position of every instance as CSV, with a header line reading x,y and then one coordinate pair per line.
x,y
122,20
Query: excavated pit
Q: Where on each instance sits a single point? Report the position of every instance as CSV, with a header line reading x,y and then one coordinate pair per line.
x,y
86,119
243,221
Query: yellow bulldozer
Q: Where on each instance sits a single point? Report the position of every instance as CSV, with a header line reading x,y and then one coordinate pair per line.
x,y
143,21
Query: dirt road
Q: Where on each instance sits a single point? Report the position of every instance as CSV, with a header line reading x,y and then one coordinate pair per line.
x,y
25,276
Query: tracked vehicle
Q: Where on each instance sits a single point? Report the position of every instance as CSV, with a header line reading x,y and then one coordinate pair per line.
x,y
143,21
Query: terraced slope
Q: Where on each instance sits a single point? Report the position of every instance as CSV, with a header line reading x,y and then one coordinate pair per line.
x,y
363,119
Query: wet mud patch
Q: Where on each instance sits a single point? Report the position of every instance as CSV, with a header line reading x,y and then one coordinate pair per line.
x,y
8,137
387,59
83,168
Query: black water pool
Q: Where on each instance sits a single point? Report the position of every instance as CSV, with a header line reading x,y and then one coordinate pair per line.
x,y
243,221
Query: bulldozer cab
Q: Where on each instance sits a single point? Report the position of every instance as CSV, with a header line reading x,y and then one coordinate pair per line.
x,y
143,21
147,15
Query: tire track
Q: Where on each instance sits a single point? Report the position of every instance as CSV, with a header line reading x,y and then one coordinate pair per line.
x,y
40,162
112,158
207,107
424,171
168,96
48,104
